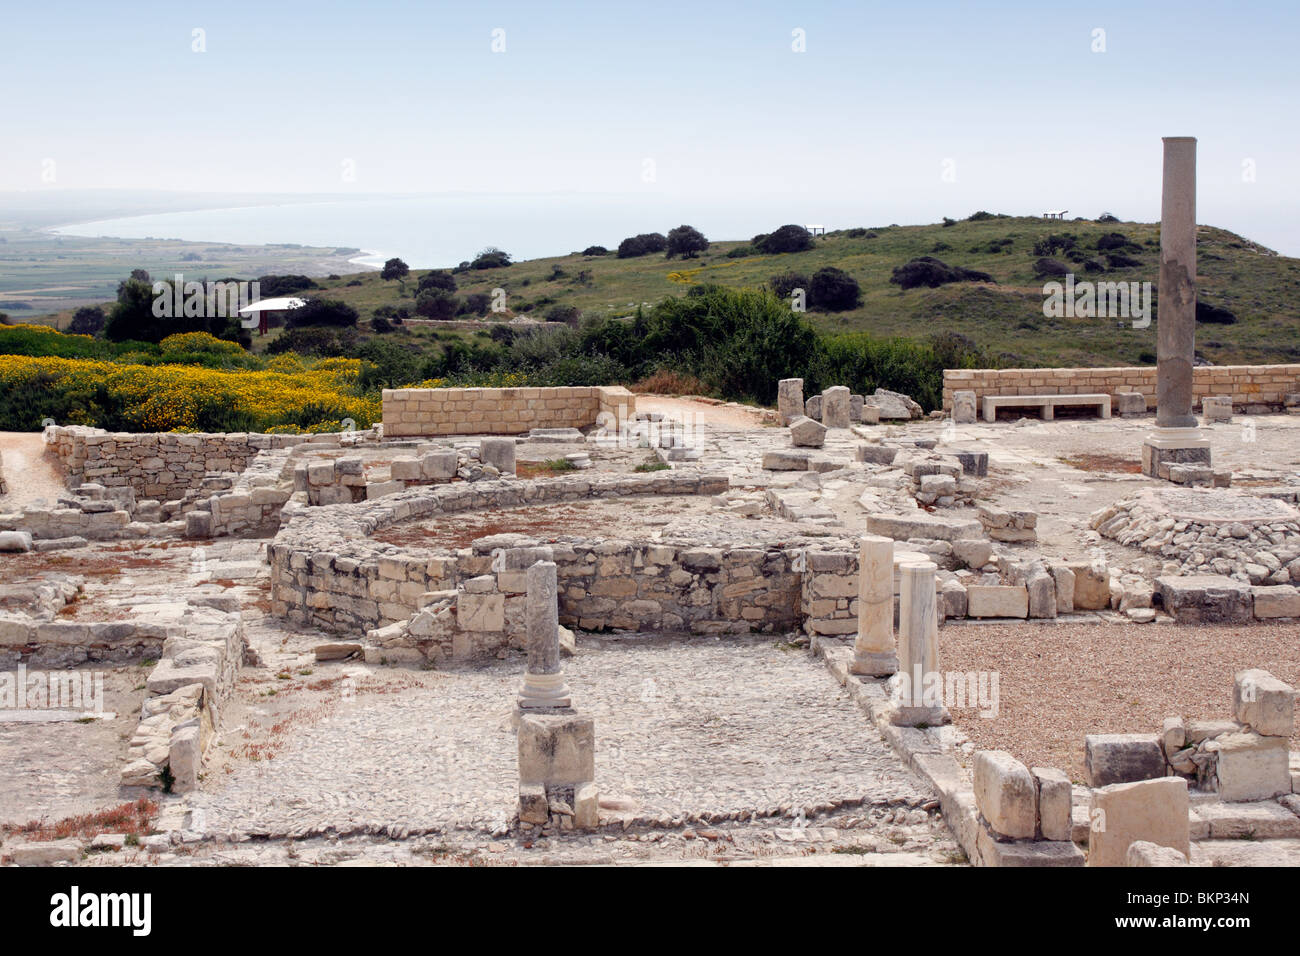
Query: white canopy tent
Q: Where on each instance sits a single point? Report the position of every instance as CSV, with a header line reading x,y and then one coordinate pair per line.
x,y
258,311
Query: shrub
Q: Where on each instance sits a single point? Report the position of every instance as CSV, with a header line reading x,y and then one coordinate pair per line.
x,y
833,290
1117,260
563,313
931,272
641,245
491,258
316,312
1052,244
949,222
1050,267
394,269
197,342
440,280
788,238
595,251
317,340
982,215
686,241
1107,217
478,303
1112,240
88,320
1214,314
783,285
740,252
272,287
433,304
380,325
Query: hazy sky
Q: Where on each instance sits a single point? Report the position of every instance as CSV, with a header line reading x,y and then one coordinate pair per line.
x,y
922,109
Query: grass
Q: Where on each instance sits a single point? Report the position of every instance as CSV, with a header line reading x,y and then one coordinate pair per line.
x,y
133,819
1006,319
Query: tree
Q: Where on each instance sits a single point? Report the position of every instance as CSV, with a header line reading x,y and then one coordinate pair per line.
x,y
440,280
687,242
833,290
394,269
789,238
595,251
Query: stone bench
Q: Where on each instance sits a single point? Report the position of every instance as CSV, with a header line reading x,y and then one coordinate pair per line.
x,y
1047,403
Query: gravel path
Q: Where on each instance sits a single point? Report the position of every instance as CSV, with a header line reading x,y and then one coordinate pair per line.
x,y
1059,682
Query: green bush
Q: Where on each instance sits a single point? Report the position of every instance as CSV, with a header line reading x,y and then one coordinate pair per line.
x,y
788,238
833,290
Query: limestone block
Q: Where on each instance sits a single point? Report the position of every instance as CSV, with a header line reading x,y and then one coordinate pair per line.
x,y
481,612
1122,758
993,600
1280,600
1005,794
806,433
185,758
499,453
1146,853
1091,586
439,465
876,454
1154,811
789,399
813,408
1206,599
1251,766
1064,579
1264,703
835,407
1130,404
963,407
556,749
1055,797
785,461
406,469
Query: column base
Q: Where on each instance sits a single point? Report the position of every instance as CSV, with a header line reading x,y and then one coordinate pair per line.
x,y
541,691
874,664
1174,446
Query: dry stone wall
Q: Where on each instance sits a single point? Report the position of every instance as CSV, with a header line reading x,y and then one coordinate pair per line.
x,y
412,412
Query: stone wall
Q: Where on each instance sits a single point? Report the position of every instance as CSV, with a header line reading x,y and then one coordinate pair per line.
x,y
327,571
1252,387
160,466
500,411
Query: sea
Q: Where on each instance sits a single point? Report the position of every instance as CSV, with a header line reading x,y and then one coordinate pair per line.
x,y
431,232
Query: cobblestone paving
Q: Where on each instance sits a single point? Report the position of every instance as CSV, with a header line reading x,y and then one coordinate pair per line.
x,y
688,727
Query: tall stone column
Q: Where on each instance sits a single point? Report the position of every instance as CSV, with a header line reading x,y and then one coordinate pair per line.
x,y
919,680
874,653
1176,439
544,685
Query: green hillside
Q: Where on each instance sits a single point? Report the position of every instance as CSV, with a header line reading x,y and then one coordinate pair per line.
x,y
1005,319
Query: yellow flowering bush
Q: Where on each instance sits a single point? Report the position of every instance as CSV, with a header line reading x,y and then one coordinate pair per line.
x,y
185,342
178,397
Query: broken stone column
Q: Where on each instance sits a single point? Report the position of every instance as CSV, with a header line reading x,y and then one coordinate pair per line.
x,y
789,399
544,686
919,678
1176,438
874,651
835,407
